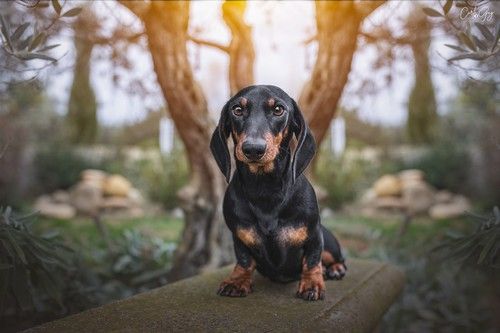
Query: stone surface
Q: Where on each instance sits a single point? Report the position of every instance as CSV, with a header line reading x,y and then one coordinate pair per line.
x,y
387,185
93,174
457,207
391,203
418,196
411,175
61,196
355,304
136,197
86,198
116,185
55,210
443,196
115,203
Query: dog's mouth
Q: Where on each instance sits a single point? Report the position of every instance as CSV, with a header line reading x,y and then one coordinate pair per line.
x,y
265,162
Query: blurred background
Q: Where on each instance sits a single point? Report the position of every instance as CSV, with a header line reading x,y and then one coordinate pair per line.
x,y
108,188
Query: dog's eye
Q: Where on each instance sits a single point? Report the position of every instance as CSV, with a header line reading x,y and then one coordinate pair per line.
x,y
278,110
237,110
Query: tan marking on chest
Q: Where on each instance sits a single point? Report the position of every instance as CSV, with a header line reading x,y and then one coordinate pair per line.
x,y
248,236
293,236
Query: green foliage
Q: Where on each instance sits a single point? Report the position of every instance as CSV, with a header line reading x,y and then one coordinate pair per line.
x,y
42,279
82,106
480,248
27,44
137,263
446,166
422,116
58,166
439,296
160,177
479,46
33,268
347,176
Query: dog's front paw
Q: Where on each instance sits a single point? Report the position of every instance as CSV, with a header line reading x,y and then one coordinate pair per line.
x,y
335,271
235,288
311,286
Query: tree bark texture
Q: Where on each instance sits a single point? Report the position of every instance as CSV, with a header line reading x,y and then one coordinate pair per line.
x,y
205,241
422,109
241,51
82,106
337,24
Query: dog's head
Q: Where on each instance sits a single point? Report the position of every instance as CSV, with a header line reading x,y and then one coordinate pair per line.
x,y
261,119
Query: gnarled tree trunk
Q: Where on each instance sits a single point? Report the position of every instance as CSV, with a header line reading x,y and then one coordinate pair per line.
x,y
206,242
422,109
241,52
338,24
82,106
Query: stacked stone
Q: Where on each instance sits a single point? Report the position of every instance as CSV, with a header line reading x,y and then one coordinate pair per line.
x,y
408,193
97,193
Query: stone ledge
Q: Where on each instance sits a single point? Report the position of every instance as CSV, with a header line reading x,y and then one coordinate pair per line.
x,y
355,304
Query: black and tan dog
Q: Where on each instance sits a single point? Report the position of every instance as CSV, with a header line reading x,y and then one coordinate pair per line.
x,y
270,207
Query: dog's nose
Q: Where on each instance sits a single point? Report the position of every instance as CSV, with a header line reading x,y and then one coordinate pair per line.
x,y
254,149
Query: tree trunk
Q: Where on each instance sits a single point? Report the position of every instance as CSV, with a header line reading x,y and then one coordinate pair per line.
x,y
338,24
422,114
82,106
205,242
241,52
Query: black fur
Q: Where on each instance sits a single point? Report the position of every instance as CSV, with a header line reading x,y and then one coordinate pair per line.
x,y
269,202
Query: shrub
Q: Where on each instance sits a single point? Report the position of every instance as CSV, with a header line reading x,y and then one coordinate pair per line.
x,y
34,269
58,166
344,178
137,263
446,166
160,177
41,279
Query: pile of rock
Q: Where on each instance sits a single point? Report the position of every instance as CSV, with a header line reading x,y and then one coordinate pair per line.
x,y
408,193
97,193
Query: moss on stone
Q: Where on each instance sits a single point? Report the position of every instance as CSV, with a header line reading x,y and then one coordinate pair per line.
x,y
354,304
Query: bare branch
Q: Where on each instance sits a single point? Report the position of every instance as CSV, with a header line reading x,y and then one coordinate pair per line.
x,y
309,40
365,8
138,8
199,41
387,37
101,40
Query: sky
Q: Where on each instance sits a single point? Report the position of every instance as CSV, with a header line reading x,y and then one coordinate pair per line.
x,y
282,59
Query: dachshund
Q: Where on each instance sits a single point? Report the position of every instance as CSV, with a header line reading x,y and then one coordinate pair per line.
x,y
269,205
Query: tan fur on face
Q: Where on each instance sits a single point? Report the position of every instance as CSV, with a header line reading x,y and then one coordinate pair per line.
x,y
271,102
293,236
266,163
248,236
243,102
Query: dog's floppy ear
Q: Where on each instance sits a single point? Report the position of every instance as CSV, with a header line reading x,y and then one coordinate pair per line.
x,y
306,146
218,144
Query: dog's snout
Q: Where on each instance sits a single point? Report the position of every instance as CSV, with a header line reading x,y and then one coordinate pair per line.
x,y
254,149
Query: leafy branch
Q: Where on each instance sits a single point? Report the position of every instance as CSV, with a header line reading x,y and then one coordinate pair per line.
x,y
29,46
474,47
481,248
28,263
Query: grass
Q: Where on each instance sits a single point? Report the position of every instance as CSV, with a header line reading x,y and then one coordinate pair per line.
x,y
361,236
429,283
83,232
358,235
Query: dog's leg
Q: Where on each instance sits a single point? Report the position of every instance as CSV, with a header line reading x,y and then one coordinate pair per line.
x,y
331,257
312,286
239,282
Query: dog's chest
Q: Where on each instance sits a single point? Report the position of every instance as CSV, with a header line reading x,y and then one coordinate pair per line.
x,y
283,237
